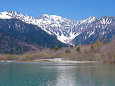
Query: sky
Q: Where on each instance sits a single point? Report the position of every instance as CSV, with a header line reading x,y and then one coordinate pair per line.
x,y
71,9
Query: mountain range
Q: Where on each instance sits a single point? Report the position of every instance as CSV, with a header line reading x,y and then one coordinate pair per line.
x,y
51,30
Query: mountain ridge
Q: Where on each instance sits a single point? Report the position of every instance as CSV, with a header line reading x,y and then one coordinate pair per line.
x,y
64,29
50,22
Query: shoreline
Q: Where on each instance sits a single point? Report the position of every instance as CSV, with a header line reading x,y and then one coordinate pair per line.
x,y
63,61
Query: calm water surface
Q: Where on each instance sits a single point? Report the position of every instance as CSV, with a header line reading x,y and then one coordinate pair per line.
x,y
55,74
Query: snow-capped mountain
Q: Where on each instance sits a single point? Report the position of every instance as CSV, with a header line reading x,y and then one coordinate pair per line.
x,y
66,30
103,28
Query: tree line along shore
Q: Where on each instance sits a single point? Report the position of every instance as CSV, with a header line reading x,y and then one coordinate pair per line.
x,y
99,52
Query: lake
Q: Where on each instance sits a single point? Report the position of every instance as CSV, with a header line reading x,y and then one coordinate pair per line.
x,y
56,74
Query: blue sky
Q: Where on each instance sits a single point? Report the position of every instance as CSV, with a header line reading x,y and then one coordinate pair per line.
x,y
72,9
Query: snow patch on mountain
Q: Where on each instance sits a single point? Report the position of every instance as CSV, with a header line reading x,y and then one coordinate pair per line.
x,y
4,15
106,21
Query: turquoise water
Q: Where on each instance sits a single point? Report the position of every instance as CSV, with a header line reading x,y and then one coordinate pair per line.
x,y
55,74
